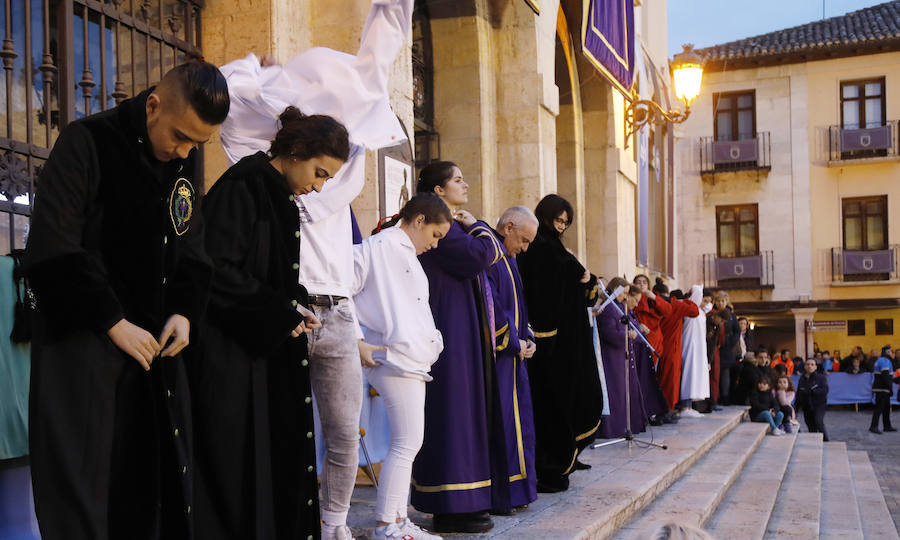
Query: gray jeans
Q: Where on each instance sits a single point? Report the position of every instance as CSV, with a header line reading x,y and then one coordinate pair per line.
x,y
336,376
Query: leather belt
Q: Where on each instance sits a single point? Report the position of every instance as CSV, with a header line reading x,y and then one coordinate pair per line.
x,y
325,300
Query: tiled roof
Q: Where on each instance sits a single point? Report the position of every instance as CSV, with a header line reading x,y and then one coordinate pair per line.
x,y
867,28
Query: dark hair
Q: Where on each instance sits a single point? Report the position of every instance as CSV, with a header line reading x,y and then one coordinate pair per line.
x,y
660,287
641,276
780,369
885,349
790,382
435,174
305,137
203,86
426,204
677,293
707,292
784,351
551,207
633,290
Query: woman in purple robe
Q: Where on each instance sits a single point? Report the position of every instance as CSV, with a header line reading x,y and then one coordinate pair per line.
x,y
612,345
452,473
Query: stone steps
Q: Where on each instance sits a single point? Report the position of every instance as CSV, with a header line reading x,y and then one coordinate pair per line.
x,y
797,508
744,511
620,484
840,511
873,511
694,497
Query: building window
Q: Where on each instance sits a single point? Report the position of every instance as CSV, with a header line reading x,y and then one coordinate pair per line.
x,y
737,230
865,223
426,137
856,327
735,115
862,104
884,327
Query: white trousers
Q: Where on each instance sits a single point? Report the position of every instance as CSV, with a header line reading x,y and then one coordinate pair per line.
x,y
404,399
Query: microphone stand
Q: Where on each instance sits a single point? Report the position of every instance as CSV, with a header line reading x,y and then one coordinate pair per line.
x,y
629,436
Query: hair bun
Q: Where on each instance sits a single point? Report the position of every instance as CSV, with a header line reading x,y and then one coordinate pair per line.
x,y
290,114
659,281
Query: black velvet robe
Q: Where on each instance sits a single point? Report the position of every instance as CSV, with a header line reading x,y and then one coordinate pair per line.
x,y
114,234
565,382
255,453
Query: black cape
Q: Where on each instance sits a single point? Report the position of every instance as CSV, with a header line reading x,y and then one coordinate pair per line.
x,y
114,234
565,381
255,453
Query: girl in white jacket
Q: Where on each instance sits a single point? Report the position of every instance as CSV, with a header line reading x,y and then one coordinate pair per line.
x,y
391,297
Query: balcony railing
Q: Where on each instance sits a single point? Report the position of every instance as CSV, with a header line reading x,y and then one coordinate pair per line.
x,y
748,272
867,143
744,155
872,265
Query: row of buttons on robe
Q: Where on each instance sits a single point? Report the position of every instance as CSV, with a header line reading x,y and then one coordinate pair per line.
x,y
170,394
305,363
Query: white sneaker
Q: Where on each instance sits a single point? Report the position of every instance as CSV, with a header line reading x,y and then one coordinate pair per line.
x,y
778,432
336,532
690,413
411,531
389,532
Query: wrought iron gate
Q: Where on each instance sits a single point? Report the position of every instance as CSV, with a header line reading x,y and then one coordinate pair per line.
x,y
66,59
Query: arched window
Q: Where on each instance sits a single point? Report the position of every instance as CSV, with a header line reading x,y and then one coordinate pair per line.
x,y
66,59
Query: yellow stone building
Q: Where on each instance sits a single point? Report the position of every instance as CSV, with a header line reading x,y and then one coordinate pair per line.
x,y
499,86
788,190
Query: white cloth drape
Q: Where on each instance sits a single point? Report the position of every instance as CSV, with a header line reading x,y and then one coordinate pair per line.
x,y
694,371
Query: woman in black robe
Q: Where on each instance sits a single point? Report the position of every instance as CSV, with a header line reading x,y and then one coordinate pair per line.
x,y
255,454
565,381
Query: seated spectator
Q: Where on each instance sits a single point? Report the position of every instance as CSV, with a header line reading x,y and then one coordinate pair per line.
x,y
784,358
747,379
856,365
763,407
780,371
847,361
784,393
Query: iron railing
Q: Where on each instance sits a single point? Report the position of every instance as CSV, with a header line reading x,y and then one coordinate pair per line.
x,y
743,155
747,272
865,265
865,143
66,59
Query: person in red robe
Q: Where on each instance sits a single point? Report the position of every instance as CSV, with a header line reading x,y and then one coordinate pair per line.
x,y
650,311
669,368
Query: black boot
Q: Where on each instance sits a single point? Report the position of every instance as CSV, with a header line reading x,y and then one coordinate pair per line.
x,y
471,523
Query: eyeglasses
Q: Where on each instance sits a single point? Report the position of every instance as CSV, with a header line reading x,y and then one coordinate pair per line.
x,y
561,222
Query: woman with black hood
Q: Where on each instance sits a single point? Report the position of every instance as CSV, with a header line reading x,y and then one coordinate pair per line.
x,y
565,382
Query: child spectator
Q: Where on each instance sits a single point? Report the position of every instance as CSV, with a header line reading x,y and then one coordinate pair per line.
x,y
780,371
763,406
784,393
882,387
812,398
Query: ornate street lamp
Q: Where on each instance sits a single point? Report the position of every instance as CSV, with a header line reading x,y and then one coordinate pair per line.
x,y
687,74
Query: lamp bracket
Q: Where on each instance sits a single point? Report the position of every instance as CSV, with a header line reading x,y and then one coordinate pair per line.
x,y
641,112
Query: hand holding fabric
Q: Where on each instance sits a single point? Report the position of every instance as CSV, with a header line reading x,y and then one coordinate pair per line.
x,y
365,353
135,342
465,218
178,328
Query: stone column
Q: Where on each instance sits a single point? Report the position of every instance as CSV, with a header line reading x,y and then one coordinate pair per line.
x,y
804,338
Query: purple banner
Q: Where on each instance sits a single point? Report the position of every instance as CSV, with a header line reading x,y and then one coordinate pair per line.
x,y
868,262
739,267
607,34
735,151
878,138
